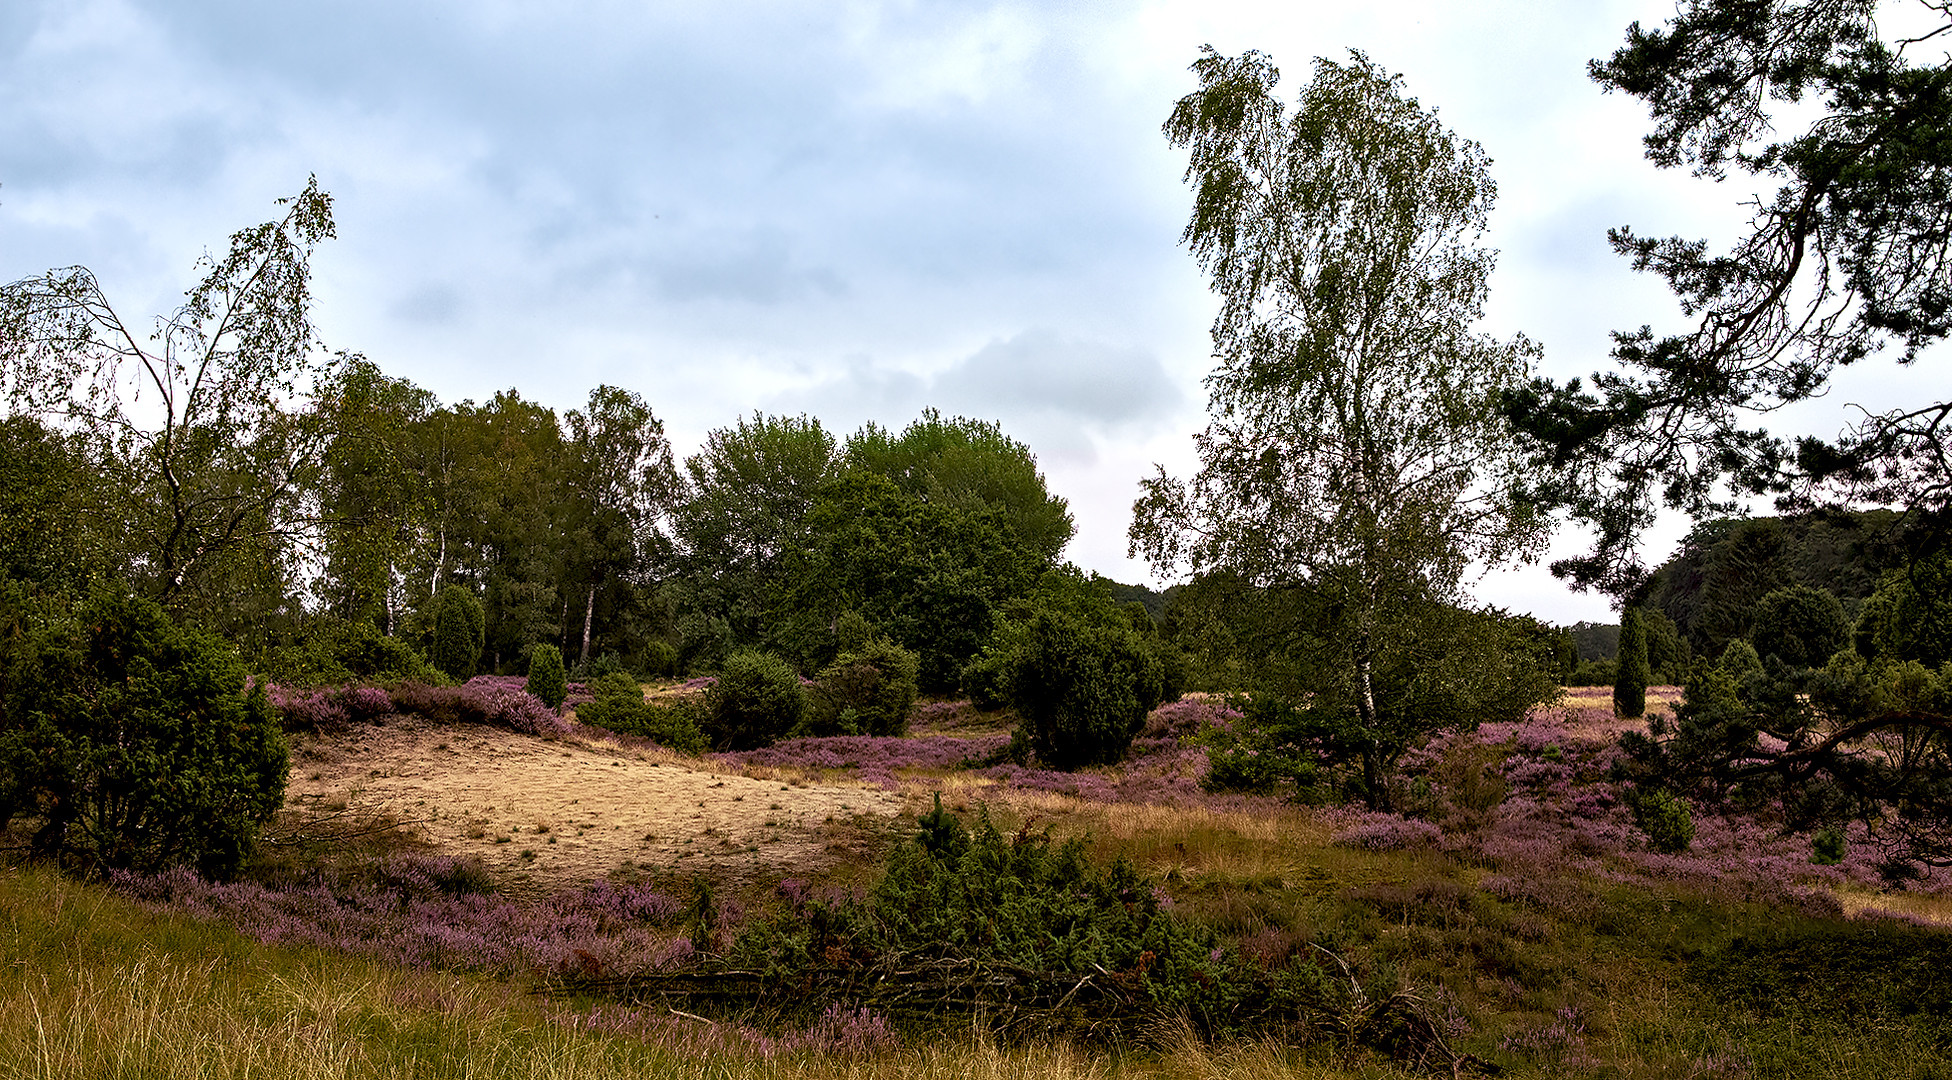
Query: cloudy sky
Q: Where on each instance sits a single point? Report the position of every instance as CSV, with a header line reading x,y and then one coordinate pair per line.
x,y
853,210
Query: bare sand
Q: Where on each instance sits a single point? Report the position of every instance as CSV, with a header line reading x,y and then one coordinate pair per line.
x,y
549,813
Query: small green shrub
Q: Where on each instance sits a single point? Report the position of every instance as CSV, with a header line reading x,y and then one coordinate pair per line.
x,y
620,706
459,632
756,701
333,652
1827,847
866,691
547,680
660,659
1664,819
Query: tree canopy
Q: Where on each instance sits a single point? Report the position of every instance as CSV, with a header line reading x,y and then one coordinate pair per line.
x,y
1351,448
1850,258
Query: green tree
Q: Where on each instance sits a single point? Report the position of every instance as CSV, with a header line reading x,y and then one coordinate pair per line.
x,y
1800,626
969,465
742,517
129,742
1846,261
931,576
1630,677
1910,615
58,527
374,494
203,422
620,480
1352,450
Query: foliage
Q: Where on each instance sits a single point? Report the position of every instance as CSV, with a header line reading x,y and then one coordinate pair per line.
x,y
973,920
1851,740
1847,260
331,651
458,632
930,575
619,478
58,526
1082,686
1352,453
129,741
547,679
867,690
194,423
1664,819
1910,615
742,514
1630,675
969,465
756,701
1440,668
618,704
1800,626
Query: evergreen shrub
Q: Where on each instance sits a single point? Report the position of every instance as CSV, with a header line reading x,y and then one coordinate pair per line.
x,y
128,742
459,632
618,705
866,691
756,701
547,679
1083,689
1631,674
1664,819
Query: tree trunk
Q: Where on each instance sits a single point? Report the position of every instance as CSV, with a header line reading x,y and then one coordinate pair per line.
x,y
589,613
1375,790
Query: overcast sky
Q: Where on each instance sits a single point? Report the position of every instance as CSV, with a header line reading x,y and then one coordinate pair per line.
x,y
849,209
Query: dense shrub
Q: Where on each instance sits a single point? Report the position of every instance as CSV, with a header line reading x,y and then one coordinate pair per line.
x,y
1664,819
1082,688
547,679
868,690
1800,626
618,704
459,632
1630,676
660,659
128,741
1594,673
1030,925
756,701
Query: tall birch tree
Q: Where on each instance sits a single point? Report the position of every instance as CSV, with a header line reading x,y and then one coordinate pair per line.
x,y
1352,448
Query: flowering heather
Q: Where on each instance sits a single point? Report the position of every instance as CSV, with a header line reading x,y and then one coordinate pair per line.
x,y
1384,832
422,912
498,700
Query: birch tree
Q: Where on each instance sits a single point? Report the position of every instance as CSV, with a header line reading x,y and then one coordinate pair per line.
x,y
1352,448
204,414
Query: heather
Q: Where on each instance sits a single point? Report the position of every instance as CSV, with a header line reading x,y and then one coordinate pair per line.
x,y
495,700
436,913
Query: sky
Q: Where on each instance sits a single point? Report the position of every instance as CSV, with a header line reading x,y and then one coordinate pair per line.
x,y
852,210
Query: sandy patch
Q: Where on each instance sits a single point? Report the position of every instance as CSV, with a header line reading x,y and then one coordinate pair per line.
x,y
547,813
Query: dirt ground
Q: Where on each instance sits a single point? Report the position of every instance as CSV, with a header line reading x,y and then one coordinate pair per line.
x,y
544,814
